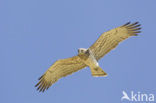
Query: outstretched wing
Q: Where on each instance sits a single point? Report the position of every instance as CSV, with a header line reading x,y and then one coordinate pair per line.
x,y
58,70
110,39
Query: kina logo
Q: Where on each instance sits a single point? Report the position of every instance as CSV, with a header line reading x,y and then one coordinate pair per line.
x,y
138,96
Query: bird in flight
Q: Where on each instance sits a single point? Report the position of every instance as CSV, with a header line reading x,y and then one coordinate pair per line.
x,y
88,57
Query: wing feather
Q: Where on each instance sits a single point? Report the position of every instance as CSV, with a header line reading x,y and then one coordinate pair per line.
x,y
110,39
59,69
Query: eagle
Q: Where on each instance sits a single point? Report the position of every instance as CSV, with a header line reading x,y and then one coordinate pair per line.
x,y
88,57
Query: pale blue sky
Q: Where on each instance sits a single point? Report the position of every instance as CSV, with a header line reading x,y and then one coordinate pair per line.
x,y
35,33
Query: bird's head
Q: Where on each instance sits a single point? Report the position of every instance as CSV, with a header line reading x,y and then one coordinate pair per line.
x,y
82,50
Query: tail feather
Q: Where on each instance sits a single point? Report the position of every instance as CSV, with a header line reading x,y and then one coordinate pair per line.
x,y
98,72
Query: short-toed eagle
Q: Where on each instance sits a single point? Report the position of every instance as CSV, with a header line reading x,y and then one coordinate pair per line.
x,y
88,57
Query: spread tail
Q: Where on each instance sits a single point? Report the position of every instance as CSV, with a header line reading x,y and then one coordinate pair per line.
x,y
98,72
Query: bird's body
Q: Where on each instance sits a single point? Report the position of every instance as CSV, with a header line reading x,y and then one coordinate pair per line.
x,y
88,57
